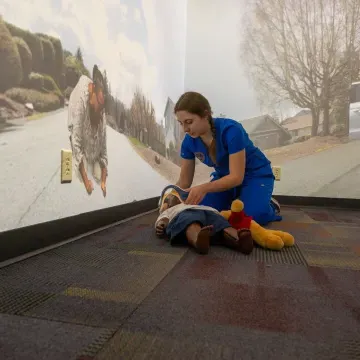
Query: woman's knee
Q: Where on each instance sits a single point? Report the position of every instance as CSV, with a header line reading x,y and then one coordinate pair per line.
x,y
262,215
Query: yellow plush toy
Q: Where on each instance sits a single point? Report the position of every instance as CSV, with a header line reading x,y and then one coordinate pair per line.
x,y
268,239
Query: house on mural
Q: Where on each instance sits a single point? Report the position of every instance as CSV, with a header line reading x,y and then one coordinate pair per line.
x,y
265,132
300,124
173,131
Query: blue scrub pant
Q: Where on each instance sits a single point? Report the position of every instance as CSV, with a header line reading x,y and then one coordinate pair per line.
x,y
256,195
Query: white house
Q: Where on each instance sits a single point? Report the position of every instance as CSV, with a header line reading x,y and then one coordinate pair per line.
x,y
172,127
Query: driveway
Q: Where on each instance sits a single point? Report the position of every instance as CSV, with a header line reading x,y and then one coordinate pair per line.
x,y
326,173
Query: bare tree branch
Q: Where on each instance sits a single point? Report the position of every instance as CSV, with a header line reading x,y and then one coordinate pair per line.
x,y
301,50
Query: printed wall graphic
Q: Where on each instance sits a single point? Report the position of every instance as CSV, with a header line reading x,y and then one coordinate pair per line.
x,y
87,127
94,78
101,78
289,72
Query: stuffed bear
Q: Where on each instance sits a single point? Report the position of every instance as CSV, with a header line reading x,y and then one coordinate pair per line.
x,y
267,239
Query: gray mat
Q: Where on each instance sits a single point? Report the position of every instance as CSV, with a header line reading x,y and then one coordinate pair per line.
x,y
23,338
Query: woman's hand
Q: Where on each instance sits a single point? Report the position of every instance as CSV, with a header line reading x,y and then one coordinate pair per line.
x,y
89,186
196,194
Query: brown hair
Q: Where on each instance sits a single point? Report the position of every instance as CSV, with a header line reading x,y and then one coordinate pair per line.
x,y
98,79
197,104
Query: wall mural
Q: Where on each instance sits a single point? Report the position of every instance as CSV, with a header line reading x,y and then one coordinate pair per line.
x,y
100,79
95,78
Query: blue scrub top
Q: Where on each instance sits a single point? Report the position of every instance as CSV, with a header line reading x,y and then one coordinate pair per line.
x,y
231,138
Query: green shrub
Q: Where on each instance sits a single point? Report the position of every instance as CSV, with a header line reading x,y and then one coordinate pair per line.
x,y
49,56
34,44
10,61
25,56
43,81
67,53
62,83
35,81
68,92
58,67
302,138
50,85
42,102
73,71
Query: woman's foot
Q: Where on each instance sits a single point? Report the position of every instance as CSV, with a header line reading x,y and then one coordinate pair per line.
x,y
199,237
239,240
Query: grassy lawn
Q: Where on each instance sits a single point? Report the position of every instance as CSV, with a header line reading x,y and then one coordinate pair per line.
x,y
136,142
35,116
298,150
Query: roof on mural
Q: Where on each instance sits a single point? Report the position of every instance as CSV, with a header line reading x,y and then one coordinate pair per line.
x,y
250,125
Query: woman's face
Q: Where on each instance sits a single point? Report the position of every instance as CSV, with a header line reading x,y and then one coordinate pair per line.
x,y
193,124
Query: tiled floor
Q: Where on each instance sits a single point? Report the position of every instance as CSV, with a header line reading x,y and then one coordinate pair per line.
x,y
124,294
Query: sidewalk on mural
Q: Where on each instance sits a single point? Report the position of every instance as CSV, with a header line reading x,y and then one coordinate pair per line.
x,y
279,156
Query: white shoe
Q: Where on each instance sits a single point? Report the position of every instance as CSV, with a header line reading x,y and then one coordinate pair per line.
x,y
276,205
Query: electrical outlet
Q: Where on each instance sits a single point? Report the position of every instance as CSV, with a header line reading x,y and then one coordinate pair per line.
x,y
277,172
66,166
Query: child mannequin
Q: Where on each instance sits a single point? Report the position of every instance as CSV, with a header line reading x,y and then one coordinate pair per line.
x,y
197,224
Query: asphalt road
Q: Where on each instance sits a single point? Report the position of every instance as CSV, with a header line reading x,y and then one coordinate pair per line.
x,y
30,188
346,186
330,173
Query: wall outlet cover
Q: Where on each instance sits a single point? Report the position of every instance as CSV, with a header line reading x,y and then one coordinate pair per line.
x,y
277,172
66,166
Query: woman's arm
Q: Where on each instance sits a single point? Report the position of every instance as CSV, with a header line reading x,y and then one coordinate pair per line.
x,y
103,153
235,178
235,138
237,163
186,173
76,118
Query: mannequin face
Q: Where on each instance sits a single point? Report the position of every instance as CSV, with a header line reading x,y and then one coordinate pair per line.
x,y
169,202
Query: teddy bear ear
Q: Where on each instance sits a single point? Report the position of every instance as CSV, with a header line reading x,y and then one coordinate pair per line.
x,y
237,205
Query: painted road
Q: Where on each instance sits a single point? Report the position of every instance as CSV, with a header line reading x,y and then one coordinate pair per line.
x,y
346,186
326,173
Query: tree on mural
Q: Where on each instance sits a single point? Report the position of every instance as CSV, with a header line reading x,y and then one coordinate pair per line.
x,y
107,92
303,51
140,112
115,109
79,55
143,123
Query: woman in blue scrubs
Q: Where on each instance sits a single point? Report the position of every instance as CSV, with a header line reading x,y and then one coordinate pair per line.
x,y
242,171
